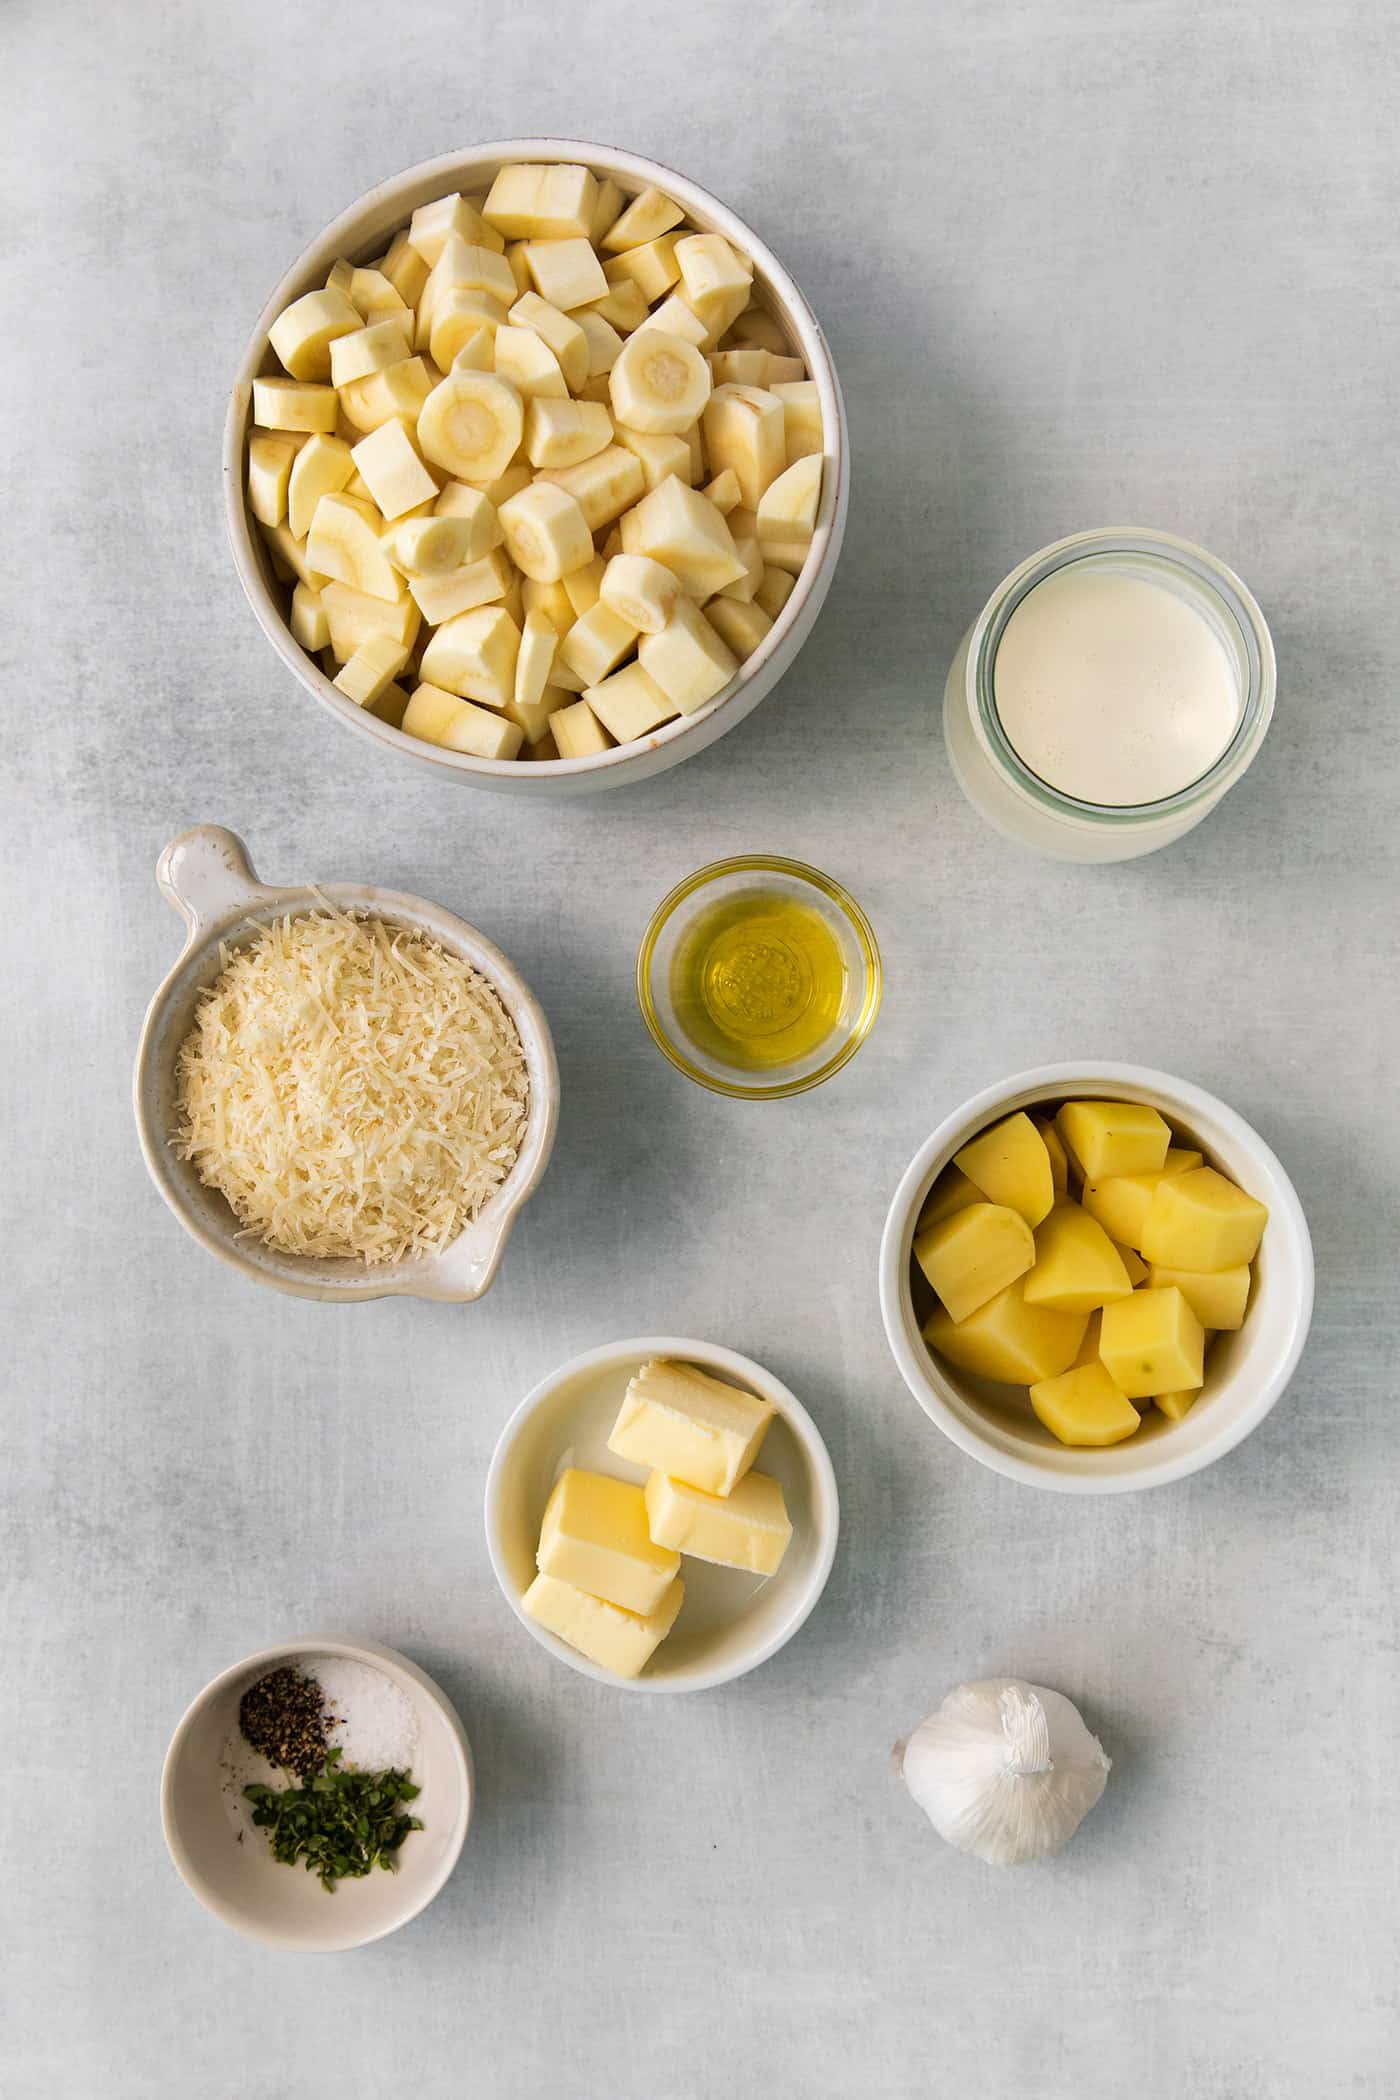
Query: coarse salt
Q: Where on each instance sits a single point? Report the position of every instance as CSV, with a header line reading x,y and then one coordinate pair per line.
x,y
376,1727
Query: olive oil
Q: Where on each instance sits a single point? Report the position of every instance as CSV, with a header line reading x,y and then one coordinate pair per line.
x,y
759,980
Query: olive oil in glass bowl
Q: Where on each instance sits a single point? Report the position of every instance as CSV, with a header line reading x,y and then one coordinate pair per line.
x,y
759,977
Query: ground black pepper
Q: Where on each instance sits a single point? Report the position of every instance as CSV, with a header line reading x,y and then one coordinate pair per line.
x,y
284,1717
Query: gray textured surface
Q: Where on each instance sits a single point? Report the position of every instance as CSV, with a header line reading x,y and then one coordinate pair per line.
x,y
1081,264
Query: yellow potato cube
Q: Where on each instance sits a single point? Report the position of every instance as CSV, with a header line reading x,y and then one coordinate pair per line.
x,y
1113,1137
1132,1261
1203,1222
952,1191
1085,1407
1217,1300
1152,1343
1059,1158
1180,1161
1121,1204
1088,1350
975,1253
1175,1405
1008,1340
1076,1266
1010,1164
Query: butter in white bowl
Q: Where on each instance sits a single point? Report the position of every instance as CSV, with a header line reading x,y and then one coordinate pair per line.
x,y
625,1570
675,1419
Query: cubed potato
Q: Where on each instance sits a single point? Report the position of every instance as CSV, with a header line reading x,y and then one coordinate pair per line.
x,y
1217,1300
1121,1204
1011,1165
952,1191
1175,1405
1088,1351
1180,1161
1201,1221
1076,1266
1133,1262
1152,1342
1059,1158
973,1254
1008,1340
1085,1407
1113,1137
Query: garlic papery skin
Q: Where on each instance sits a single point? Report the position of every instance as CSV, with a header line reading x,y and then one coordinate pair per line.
x,y
1005,1770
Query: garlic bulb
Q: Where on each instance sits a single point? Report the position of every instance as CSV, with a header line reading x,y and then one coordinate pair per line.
x,y
1004,1770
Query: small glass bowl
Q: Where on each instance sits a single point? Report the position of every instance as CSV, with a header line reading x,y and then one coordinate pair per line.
x,y
764,875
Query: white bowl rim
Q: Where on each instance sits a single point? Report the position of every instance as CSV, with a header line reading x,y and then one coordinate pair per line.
x,y
206,874
1286,1216
814,577
711,1356
412,1679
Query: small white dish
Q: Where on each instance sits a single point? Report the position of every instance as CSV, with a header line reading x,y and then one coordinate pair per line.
x,y
363,231
225,1860
1247,1370
206,876
730,1622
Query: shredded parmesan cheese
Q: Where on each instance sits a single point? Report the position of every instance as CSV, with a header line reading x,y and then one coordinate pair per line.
x,y
351,1088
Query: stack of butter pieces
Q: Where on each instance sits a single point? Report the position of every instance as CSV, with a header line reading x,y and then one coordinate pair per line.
x,y
609,1557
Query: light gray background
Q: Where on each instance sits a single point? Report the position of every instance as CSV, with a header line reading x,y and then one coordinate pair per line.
x,y
1086,263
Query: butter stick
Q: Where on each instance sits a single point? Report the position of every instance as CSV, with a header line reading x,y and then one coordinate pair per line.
x,y
749,1529
621,1641
678,1421
595,1536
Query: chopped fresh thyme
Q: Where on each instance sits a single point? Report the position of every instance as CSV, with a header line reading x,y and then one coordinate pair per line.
x,y
344,1824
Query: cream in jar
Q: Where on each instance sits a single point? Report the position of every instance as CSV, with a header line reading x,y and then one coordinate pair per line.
x,y
1114,688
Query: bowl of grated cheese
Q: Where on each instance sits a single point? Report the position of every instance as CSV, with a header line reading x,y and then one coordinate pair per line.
x,y
343,1091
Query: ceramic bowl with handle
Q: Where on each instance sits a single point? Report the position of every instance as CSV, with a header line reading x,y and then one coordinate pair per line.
x,y
206,876
363,232
1246,1371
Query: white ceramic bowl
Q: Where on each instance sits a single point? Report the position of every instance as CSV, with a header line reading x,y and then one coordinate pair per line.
x,y
206,876
202,1813
1246,1371
363,232
730,1622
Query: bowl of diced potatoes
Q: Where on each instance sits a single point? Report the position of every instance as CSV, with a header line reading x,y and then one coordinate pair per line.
x,y
1096,1278
535,467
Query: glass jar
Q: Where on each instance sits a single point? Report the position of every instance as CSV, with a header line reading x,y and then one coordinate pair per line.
x,y
1025,808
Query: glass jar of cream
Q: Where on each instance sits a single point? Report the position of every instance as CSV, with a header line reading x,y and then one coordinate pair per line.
x,y
1113,688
